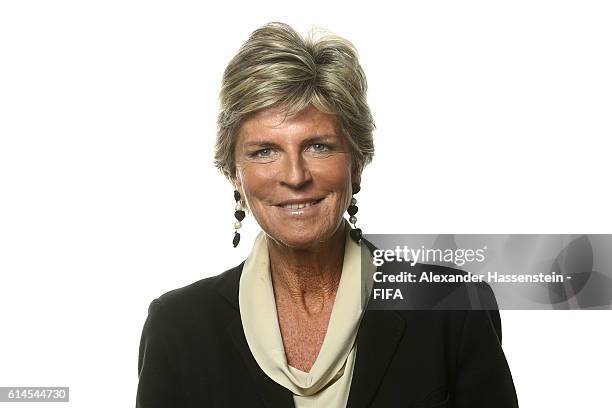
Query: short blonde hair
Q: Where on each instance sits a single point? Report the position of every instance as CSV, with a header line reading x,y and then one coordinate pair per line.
x,y
276,67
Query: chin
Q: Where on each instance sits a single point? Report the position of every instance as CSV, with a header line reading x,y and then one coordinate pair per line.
x,y
295,241
302,238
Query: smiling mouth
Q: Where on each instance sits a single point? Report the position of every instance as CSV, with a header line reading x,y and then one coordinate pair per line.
x,y
299,206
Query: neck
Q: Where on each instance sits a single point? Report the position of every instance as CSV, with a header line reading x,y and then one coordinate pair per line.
x,y
308,277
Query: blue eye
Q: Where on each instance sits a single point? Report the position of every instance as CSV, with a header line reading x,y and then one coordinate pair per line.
x,y
320,147
263,152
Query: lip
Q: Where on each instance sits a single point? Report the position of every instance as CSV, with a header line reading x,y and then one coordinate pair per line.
x,y
315,200
300,211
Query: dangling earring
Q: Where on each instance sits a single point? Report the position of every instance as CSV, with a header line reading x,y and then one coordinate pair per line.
x,y
355,233
239,214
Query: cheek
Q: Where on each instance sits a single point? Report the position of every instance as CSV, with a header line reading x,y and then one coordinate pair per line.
x,y
336,178
255,181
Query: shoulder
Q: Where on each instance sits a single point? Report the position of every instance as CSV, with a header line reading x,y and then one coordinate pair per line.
x,y
202,289
209,298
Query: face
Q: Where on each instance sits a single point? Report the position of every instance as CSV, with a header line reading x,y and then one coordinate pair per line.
x,y
295,175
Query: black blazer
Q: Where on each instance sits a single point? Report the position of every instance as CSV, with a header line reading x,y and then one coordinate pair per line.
x,y
193,353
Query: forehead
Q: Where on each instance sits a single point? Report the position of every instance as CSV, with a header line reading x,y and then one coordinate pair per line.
x,y
273,122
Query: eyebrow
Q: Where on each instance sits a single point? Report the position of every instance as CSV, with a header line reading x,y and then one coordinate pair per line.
x,y
309,140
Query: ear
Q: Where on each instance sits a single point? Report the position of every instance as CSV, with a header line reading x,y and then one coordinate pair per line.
x,y
356,176
235,180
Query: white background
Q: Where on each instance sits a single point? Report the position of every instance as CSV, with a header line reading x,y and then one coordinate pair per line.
x,y
491,118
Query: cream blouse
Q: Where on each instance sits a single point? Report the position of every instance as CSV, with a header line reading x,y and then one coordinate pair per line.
x,y
329,380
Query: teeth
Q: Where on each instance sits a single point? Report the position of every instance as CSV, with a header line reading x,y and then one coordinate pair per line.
x,y
298,206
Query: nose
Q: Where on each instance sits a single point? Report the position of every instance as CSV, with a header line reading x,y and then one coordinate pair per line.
x,y
295,172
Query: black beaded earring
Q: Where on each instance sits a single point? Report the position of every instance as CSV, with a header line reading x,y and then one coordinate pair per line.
x,y
355,233
239,215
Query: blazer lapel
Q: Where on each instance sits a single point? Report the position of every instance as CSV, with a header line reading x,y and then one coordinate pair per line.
x,y
377,339
273,395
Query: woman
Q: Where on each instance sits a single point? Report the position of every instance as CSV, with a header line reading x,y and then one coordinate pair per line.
x,y
289,326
